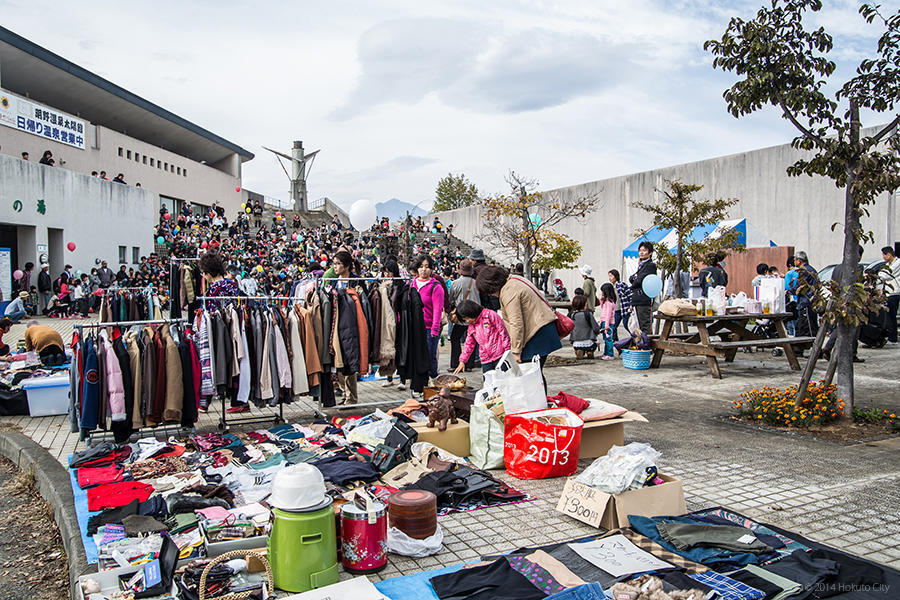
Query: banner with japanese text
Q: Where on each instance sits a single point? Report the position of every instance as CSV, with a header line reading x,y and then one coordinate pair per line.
x,y
29,116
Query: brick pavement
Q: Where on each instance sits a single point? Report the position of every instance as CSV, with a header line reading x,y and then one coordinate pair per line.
x,y
837,494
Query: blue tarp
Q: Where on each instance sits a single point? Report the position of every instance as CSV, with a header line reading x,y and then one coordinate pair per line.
x,y
82,513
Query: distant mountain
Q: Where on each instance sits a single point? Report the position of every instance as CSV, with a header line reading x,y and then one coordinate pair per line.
x,y
395,209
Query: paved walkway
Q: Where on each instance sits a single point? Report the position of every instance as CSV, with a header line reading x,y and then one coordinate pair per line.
x,y
843,495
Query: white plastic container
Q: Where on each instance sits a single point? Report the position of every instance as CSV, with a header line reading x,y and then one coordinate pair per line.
x,y
47,395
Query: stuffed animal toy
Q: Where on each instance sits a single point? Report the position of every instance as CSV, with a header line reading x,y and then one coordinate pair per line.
x,y
440,409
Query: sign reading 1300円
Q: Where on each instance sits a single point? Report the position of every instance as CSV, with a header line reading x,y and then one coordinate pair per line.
x,y
37,119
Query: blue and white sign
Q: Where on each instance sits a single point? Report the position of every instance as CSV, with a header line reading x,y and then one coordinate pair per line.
x,y
42,121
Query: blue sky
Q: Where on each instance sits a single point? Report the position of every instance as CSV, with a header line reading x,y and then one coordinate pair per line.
x,y
399,93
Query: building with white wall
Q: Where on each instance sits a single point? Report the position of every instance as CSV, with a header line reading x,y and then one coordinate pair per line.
x,y
91,124
794,211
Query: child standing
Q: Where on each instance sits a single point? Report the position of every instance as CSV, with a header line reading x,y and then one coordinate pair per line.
x,y
607,305
584,335
486,328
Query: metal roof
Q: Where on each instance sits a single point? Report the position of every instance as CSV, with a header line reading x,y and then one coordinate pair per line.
x,y
29,69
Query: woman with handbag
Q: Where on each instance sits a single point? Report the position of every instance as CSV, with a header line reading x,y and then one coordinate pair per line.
x,y
432,292
529,319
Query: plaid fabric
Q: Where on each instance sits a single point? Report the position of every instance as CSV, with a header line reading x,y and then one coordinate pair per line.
x,y
645,543
727,587
623,292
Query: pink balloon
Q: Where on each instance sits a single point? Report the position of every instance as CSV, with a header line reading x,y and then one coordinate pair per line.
x,y
17,274
71,246
277,214
237,189
294,237
167,216
204,244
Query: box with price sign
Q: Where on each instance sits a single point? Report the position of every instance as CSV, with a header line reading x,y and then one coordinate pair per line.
x,y
610,511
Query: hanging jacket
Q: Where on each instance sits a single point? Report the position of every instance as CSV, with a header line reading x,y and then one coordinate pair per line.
x,y
299,381
244,377
334,342
374,297
159,395
174,399
348,331
308,343
123,429
363,330
266,392
326,302
273,361
148,374
90,387
412,338
387,349
190,401
134,358
283,361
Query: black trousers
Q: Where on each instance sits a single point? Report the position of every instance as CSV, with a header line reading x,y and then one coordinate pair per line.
x,y
807,321
892,302
457,339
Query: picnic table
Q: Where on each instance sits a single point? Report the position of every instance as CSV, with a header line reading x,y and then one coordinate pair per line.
x,y
734,334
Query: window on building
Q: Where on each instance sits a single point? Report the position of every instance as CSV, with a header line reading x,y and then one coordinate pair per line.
x,y
137,157
121,152
128,154
145,159
123,252
159,164
135,254
152,162
165,166
179,170
184,172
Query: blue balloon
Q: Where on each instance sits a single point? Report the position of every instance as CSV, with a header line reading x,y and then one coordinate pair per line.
x,y
160,240
652,285
536,220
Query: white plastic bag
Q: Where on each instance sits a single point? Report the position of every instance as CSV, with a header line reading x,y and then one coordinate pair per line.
x,y
621,468
520,385
400,543
718,299
771,293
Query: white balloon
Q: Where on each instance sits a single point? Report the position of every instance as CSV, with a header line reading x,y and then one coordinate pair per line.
x,y
362,215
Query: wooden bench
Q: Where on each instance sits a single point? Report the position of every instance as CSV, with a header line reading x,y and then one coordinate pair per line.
x,y
762,343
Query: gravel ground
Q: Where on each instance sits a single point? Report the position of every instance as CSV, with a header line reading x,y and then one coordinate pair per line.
x,y
33,563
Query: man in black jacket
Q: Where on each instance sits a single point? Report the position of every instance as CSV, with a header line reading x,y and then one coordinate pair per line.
x,y
639,299
45,286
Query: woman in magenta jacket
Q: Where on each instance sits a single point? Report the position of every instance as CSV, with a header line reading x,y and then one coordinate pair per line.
x,y
433,294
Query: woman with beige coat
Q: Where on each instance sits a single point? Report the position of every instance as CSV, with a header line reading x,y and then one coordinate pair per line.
x,y
530,321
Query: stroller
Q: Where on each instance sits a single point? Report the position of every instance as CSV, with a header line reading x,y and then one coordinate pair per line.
x,y
766,329
874,333
561,294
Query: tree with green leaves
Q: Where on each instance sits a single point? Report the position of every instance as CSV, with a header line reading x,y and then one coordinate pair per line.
x,y
454,191
680,211
783,62
521,225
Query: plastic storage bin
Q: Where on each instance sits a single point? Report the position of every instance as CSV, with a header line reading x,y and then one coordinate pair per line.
x,y
47,395
636,359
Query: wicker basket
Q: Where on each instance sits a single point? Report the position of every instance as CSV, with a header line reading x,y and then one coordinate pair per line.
x,y
228,556
636,359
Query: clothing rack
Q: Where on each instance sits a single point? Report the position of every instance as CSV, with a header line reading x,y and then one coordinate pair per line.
x,y
143,431
223,420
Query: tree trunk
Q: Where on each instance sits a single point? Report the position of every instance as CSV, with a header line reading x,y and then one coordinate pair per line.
x,y
849,266
677,275
527,249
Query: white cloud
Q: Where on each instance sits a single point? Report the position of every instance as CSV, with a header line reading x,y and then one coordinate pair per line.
x,y
398,93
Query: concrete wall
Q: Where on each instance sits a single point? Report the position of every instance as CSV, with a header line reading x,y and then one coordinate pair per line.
x,y
99,216
797,211
199,183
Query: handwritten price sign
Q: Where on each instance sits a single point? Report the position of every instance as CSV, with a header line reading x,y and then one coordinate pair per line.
x,y
583,502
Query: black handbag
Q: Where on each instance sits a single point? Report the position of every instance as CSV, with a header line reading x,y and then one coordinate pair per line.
x,y
397,446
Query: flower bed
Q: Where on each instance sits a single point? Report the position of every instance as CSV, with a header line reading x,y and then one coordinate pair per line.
x,y
776,406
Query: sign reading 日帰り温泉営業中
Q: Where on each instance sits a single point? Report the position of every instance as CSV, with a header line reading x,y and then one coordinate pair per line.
x,y
29,116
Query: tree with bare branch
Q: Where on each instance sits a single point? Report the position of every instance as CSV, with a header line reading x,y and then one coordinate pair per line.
x,y
521,224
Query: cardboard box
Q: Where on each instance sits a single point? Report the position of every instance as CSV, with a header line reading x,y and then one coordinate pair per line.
x,y
597,437
214,549
109,582
610,511
454,440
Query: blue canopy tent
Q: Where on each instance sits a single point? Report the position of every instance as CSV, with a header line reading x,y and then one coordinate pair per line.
x,y
749,236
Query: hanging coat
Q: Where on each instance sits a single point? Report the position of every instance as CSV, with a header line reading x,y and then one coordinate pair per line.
x,y
412,341
348,332
299,381
174,398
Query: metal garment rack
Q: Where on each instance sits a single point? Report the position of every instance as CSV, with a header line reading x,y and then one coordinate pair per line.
x,y
412,395
143,431
223,420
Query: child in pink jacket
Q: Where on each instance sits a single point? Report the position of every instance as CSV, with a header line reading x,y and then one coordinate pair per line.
x,y
486,328
607,308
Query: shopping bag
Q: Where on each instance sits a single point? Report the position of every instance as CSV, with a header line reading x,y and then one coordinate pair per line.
x,y
520,385
485,438
771,293
542,443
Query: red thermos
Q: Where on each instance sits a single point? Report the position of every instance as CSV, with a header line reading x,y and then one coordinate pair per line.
x,y
364,537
